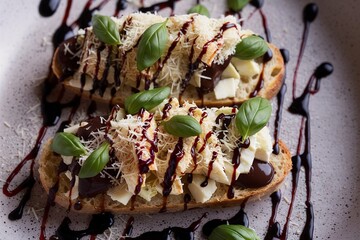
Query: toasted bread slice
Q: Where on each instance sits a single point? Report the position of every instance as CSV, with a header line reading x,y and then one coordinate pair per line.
x,y
49,164
192,34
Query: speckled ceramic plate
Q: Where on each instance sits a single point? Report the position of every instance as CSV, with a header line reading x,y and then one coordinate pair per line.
x,y
335,114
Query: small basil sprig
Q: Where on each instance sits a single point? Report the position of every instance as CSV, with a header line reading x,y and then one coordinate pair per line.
x,y
96,162
146,99
67,144
200,9
252,116
106,30
251,47
182,126
237,5
152,45
233,232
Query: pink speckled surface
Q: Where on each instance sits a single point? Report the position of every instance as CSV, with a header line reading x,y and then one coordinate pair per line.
x,y
335,113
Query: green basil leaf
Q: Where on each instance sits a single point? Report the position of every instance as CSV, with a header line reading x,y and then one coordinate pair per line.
x,y
233,232
146,99
182,126
251,47
237,5
106,30
96,162
200,9
252,116
67,144
152,45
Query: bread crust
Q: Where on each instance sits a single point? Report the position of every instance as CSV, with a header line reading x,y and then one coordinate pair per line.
x,y
273,78
48,168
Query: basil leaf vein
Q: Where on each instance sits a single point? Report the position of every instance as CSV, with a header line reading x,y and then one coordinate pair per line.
x,y
96,162
251,47
152,45
252,116
67,144
183,126
146,99
106,30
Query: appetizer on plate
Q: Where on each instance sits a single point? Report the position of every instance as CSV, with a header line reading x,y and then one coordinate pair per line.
x,y
212,62
157,155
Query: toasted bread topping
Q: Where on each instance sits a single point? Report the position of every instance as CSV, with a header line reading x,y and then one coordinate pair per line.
x,y
146,160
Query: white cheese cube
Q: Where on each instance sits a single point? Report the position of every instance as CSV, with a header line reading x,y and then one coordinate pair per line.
x,y
120,194
201,194
230,72
248,68
264,145
226,88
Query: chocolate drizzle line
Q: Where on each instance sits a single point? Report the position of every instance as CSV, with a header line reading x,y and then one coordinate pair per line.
x,y
280,103
260,84
300,106
173,45
274,229
259,4
169,177
194,65
51,112
65,31
48,7
98,224
239,218
178,232
143,164
159,6
193,150
236,163
309,15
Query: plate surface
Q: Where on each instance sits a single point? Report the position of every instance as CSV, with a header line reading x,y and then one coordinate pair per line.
x,y
335,116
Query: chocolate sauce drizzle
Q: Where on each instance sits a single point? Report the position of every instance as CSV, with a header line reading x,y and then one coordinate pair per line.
x,y
159,6
300,106
309,15
258,4
260,84
98,224
240,218
48,7
280,103
143,164
65,31
177,232
169,177
274,229
51,112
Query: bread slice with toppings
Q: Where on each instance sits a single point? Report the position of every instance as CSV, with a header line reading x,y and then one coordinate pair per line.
x,y
205,173
197,64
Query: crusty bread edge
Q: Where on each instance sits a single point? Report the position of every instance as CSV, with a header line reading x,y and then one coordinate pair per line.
x,y
102,202
273,85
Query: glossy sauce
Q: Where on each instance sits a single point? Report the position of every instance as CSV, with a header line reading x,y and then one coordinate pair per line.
x,y
300,106
178,232
280,103
181,33
98,224
169,177
48,7
274,229
51,112
309,15
159,6
240,218
267,57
